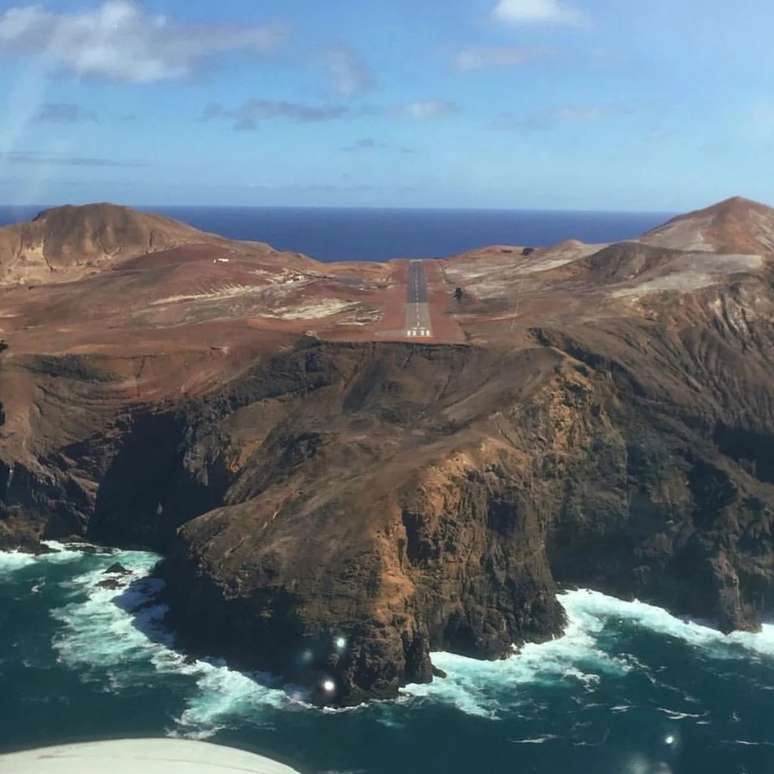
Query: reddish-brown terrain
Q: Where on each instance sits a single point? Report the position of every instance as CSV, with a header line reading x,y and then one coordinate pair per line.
x,y
591,414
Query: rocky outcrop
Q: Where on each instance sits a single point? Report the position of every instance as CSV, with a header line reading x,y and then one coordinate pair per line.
x,y
401,499
336,510
374,521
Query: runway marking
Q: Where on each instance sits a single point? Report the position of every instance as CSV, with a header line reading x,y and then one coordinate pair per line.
x,y
418,322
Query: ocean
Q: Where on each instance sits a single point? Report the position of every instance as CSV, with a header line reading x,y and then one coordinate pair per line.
x,y
381,234
629,689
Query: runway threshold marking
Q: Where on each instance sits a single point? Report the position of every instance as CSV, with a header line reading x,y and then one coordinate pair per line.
x,y
417,309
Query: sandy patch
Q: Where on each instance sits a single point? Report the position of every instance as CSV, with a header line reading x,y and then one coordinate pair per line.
x,y
225,292
693,272
681,235
315,310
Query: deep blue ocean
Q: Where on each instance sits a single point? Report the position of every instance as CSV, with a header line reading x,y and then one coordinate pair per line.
x,y
381,234
629,689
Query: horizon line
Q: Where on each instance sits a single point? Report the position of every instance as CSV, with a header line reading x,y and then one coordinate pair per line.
x,y
374,207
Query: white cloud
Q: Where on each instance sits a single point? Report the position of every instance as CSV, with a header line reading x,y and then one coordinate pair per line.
x,y
536,11
247,116
122,41
348,72
550,118
54,159
480,58
64,113
370,144
426,110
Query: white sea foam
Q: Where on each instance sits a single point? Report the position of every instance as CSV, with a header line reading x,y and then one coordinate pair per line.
x,y
588,607
70,550
10,561
578,658
116,636
14,560
101,631
674,715
222,694
477,687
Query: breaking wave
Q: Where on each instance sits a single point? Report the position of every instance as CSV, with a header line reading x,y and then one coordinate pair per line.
x,y
581,658
14,560
112,635
105,628
222,695
481,687
115,636
10,561
591,609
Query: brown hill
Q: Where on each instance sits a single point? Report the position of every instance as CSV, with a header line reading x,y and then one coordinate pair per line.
x,y
314,476
736,225
68,242
633,263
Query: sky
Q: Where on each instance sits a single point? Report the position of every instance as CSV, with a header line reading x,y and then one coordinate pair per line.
x,y
664,105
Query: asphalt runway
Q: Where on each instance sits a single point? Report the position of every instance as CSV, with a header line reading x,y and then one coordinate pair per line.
x,y
417,309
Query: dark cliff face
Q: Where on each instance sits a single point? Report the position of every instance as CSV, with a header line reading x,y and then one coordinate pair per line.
x,y
367,525
345,509
336,511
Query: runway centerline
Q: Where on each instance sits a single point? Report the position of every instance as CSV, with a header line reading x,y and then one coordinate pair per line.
x,y
417,309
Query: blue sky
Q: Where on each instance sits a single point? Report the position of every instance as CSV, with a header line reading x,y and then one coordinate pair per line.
x,y
579,104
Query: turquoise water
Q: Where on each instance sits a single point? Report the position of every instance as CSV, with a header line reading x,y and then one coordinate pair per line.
x,y
629,689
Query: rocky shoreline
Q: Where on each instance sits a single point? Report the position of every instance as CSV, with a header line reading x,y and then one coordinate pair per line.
x,y
333,511
459,548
